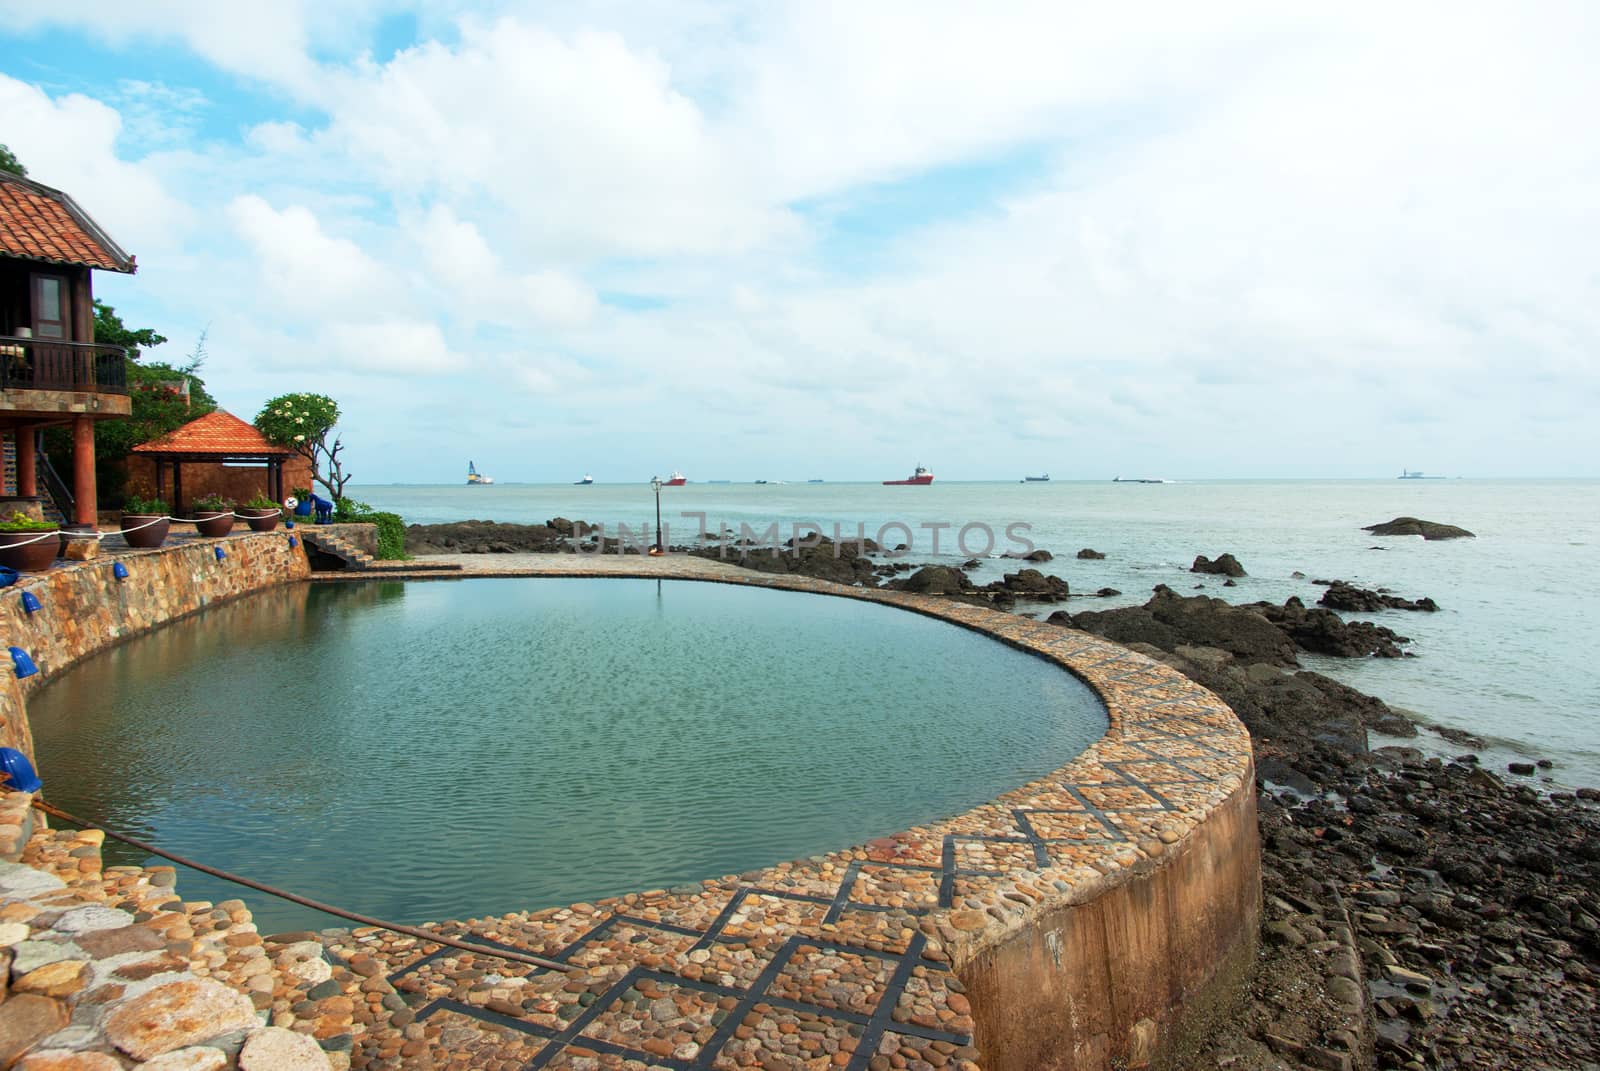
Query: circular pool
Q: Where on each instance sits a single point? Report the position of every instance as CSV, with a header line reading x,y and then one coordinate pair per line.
x,y
443,750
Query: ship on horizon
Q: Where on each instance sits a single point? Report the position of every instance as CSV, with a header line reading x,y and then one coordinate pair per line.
x,y
1416,474
476,478
1041,478
677,479
1137,479
585,482
921,478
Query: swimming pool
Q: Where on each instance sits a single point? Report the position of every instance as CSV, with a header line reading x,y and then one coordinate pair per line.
x,y
451,749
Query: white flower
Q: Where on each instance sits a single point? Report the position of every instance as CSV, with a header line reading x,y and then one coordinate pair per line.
x,y
299,438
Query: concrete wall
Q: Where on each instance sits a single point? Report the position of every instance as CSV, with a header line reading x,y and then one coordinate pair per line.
x,y
84,608
1122,976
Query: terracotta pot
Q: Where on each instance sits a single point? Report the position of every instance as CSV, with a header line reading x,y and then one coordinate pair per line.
x,y
146,538
26,552
213,523
259,520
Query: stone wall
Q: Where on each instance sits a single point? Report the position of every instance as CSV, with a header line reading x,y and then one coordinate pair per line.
x,y
84,608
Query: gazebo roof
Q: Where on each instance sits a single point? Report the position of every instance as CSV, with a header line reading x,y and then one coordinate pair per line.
x,y
217,436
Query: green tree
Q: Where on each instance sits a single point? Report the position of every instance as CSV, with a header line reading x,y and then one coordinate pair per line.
x,y
157,394
304,423
109,329
9,162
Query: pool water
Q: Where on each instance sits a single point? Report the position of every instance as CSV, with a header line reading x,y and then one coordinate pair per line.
x,y
459,749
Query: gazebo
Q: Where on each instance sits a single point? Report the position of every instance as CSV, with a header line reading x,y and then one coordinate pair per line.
x,y
215,440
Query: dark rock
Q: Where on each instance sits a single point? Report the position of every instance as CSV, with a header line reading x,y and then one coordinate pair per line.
x,y
1106,593
1169,620
1032,584
1342,595
845,562
488,537
935,580
1226,565
1033,556
1523,768
1411,526
971,563
1325,632
1088,554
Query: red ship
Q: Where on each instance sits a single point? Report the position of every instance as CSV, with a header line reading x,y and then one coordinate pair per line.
x,y
678,480
921,478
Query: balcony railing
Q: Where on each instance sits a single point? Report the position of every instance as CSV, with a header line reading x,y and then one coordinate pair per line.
x,y
52,364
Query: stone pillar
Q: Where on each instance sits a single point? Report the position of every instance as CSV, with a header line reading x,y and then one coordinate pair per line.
x,y
27,464
86,507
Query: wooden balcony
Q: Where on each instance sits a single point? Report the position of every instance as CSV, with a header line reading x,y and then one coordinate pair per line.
x,y
56,365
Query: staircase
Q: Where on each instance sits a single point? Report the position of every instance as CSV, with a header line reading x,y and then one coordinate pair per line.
x,y
55,498
337,546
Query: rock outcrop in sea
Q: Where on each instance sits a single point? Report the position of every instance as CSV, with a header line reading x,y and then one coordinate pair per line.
x,y
1411,526
1225,565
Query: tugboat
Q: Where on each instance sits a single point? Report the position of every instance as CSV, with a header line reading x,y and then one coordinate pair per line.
x,y
921,478
585,482
677,480
476,478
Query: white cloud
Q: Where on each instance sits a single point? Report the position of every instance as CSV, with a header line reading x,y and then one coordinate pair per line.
x,y
70,142
397,347
308,271
1229,223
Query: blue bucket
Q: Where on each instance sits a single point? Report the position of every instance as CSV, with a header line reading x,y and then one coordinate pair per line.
x,y
18,771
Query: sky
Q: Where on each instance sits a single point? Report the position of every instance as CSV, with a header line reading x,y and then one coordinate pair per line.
x,y
836,239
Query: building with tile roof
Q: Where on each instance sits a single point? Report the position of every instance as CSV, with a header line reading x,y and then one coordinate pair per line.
x,y
220,452
52,372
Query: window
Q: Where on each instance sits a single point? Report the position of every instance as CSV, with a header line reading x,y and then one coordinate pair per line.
x,y
49,306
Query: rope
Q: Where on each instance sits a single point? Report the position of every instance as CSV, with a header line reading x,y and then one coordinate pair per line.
x,y
70,534
294,898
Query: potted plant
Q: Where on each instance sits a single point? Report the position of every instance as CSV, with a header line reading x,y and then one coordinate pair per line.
x,y
20,546
213,515
302,497
145,522
260,513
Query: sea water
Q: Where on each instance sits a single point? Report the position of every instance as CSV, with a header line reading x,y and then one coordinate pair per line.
x,y
1511,656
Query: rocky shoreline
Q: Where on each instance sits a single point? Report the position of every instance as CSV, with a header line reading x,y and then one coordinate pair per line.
x,y
1419,913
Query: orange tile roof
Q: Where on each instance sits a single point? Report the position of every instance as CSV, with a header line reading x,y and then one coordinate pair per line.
x,y
218,432
40,223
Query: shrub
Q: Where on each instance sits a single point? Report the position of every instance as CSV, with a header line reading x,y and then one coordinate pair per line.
x,y
21,522
260,501
135,504
391,527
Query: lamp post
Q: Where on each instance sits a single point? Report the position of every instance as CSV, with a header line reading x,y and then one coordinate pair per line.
x,y
655,485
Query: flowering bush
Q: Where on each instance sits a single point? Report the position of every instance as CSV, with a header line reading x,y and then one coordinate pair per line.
x,y
212,503
304,423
